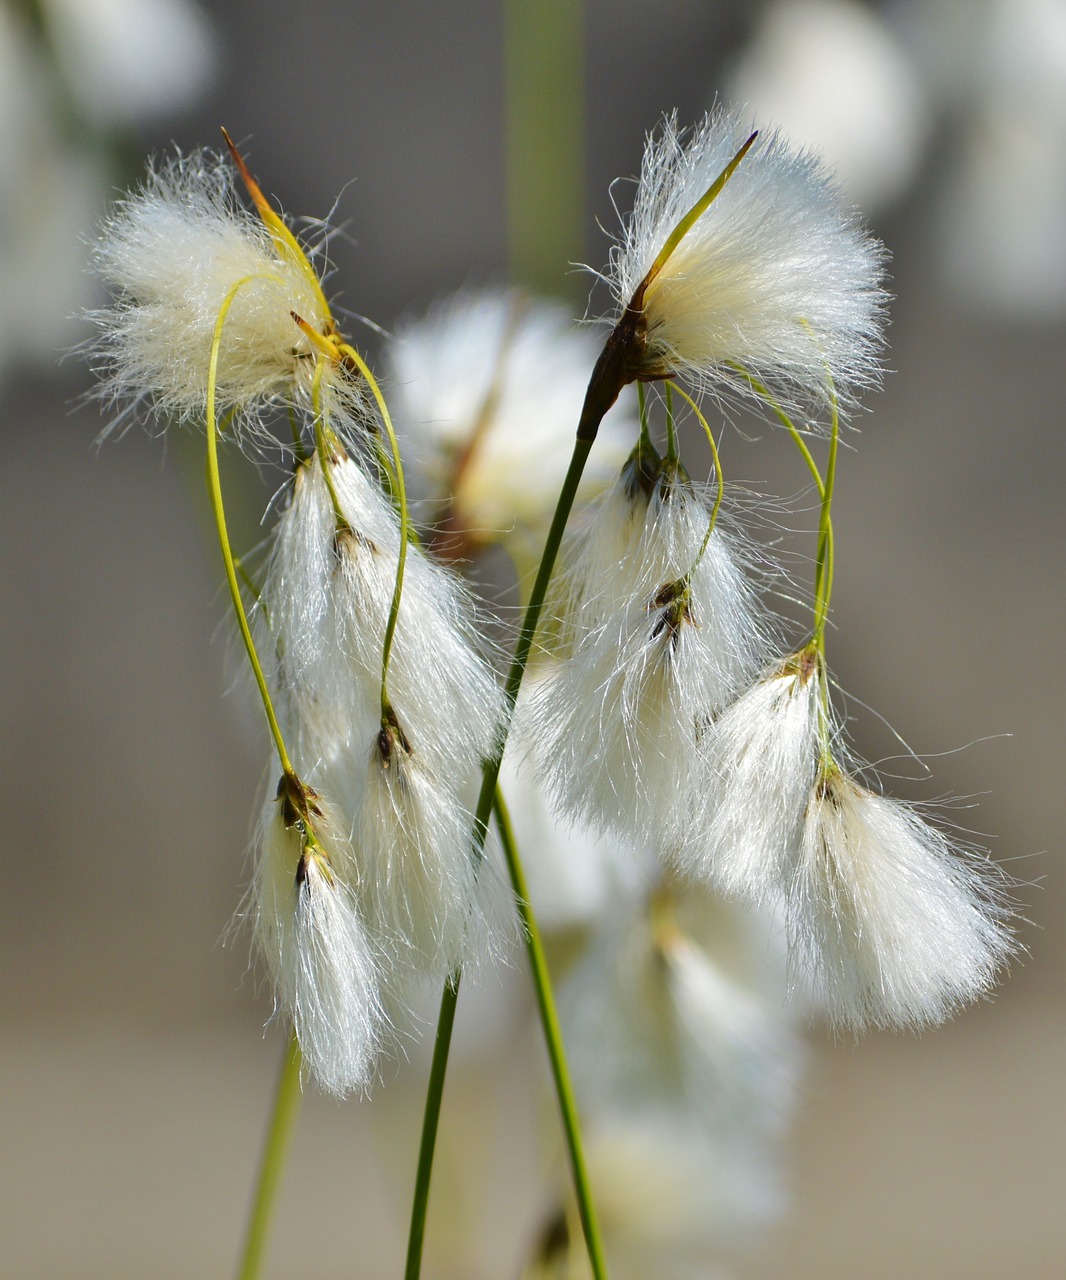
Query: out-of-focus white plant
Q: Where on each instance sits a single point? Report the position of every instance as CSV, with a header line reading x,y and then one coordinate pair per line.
x,y
129,60
685,1063
1000,218
483,390
835,76
68,81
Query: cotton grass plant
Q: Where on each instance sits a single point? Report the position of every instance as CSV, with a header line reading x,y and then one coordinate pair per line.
x,y
671,720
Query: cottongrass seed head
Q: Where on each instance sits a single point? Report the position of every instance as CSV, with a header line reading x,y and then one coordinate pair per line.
x,y
757,768
483,392
653,646
406,779
893,925
775,278
175,254
312,936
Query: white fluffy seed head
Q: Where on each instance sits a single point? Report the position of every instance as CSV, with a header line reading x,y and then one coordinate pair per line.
x,y
675,1003
445,693
894,925
324,610
660,642
434,905
685,1071
757,769
311,933
405,788
776,275
484,395
172,254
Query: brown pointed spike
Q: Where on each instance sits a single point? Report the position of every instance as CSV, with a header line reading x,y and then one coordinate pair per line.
x,y
254,190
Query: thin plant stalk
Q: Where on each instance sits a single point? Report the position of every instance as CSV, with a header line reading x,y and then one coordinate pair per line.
x,y
486,801
543,76
272,1165
553,1038
717,462
430,1124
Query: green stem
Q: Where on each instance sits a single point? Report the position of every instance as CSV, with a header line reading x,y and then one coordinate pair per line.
x,y
400,496
719,479
275,1148
486,799
214,487
671,425
645,430
824,557
430,1123
543,76
823,582
553,1038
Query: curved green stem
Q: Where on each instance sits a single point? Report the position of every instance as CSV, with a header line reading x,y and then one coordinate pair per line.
x,y
553,1038
275,1148
430,1123
824,557
642,406
321,416
823,583
400,495
719,478
214,486
671,425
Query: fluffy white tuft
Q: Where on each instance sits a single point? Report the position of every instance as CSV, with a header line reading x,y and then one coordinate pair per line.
x,y
171,253
758,759
776,276
435,905
311,933
896,927
405,788
675,1003
654,645
484,392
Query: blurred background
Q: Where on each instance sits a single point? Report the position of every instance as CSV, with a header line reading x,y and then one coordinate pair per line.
x,y
134,1070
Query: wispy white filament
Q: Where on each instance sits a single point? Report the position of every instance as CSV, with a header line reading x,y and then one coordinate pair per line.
x,y
895,925
776,275
310,932
654,644
173,254
759,759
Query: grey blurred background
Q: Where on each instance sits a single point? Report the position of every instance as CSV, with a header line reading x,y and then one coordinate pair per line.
x,y
134,1071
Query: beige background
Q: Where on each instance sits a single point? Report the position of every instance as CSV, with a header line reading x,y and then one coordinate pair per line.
x,y
133,1074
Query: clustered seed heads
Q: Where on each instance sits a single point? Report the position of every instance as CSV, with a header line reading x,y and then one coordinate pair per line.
x,y
667,717
403,779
